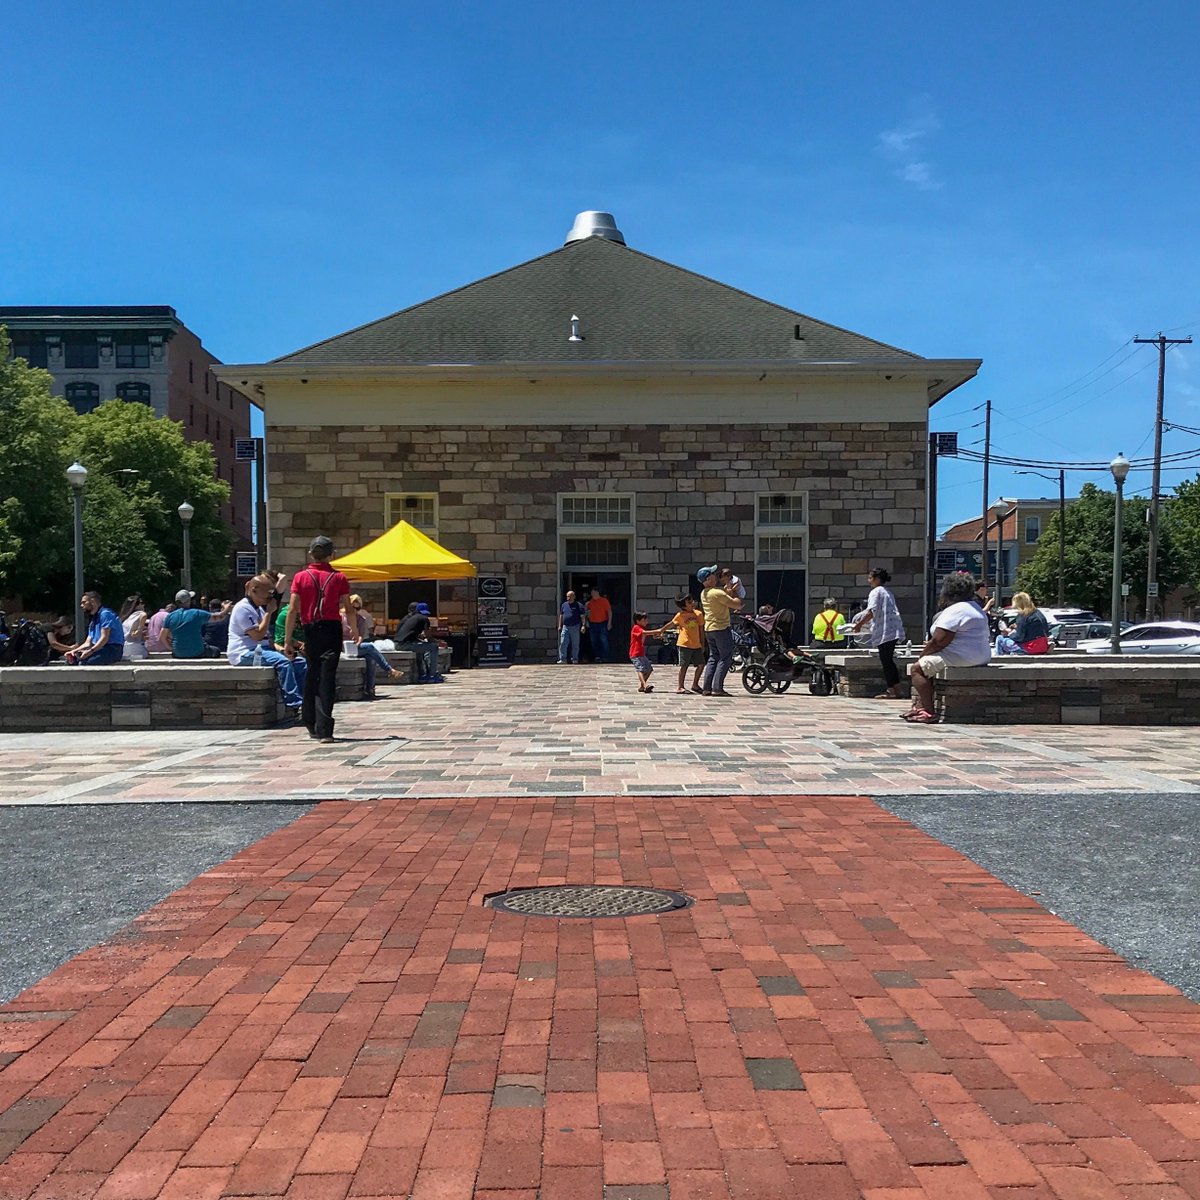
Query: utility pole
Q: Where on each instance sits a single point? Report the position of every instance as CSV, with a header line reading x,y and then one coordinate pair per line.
x,y
987,454
1152,605
1062,536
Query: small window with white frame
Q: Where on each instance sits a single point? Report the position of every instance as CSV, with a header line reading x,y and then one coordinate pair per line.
x,y
602,509
1033,530
419,509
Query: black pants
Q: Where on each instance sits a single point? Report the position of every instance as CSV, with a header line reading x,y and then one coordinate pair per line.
x,y
322,649
887,659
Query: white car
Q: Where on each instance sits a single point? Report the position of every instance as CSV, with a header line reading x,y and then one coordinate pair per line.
x,y
1155,637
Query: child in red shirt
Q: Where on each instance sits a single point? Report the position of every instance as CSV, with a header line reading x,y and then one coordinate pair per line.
x,y
637,650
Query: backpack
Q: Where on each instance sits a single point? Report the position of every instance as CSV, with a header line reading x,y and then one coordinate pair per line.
x,y
24,645
820,682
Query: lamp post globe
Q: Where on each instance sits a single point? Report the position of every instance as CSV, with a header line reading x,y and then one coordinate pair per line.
x,y
186,512
1120,469
77,474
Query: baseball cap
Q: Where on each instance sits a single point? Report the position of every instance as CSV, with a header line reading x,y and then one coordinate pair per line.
x,y
321,545
423,609
704,573
183,596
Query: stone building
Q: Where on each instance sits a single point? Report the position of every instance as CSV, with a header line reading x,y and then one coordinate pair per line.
x,y
599,416
141,353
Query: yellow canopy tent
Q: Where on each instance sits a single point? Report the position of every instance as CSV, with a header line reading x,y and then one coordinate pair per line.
x,y
403,553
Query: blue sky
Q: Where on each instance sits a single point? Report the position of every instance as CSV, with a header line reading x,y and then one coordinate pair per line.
x,y
1019,185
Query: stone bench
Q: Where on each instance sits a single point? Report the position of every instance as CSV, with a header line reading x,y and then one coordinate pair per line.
x,y
186,694
1049,691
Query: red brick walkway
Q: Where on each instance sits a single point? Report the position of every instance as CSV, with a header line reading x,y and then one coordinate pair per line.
x,y
850,1009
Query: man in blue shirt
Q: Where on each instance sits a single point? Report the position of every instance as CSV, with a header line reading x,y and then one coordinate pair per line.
x,y
182,630
571,615
105,641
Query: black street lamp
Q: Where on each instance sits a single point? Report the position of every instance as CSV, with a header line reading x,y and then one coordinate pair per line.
x,y
1119,468
186,512
77,478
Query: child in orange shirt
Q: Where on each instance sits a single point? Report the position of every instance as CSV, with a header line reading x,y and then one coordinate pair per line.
x,y
689,620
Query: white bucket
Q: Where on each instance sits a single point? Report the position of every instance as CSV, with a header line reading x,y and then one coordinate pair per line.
x,y
351,649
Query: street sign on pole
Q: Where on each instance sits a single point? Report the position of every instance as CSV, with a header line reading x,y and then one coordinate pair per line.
x,y
245,564
244,449
1152,588
945,445
1124,589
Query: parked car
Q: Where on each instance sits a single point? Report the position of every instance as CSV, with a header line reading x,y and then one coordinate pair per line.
x,y
1154,637
1062,632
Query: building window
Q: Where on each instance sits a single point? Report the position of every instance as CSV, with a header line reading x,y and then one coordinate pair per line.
x,y
83,397
206,383
206,424
781,553
218,429
581,552
418,509
596,510
135,393
1033,530
82,355
133,356
32,351
782,508
191,372
191,415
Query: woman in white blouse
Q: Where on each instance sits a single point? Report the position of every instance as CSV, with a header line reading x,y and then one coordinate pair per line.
x,y
886,630
133,622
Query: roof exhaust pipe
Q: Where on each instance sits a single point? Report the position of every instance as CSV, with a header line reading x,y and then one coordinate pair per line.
x,y
595,224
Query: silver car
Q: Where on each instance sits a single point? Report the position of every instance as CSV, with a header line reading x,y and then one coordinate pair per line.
x,y
1154,637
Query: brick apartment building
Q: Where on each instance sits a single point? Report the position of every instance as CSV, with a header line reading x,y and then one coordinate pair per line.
x,y
141,353
597,415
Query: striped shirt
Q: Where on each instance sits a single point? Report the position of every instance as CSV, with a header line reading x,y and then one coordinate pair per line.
x,y
886,625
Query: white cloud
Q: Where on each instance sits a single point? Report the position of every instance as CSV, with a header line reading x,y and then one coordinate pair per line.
x,y
906,145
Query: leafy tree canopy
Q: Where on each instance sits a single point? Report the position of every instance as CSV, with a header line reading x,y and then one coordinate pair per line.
x,y
1181,516
1089,553
140,469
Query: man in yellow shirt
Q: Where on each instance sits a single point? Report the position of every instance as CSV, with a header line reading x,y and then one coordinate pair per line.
x,y
599,617
827,625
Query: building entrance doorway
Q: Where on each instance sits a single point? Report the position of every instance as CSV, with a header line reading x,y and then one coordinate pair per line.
x,y
617,589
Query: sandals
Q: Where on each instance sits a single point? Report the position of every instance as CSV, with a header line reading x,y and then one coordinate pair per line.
x,y
919,716
646,689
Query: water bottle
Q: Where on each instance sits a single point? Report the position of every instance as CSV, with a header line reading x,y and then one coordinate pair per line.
x,y
258,662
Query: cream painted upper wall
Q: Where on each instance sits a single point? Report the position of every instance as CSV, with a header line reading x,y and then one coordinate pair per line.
x,y
589,402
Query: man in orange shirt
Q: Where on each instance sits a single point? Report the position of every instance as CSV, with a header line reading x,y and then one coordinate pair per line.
x,y
600,616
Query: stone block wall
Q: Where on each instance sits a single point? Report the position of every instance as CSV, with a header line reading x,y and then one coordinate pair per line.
x,y
695,491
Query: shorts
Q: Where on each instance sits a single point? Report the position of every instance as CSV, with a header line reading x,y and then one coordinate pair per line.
x,y
691,656
642,664
932,665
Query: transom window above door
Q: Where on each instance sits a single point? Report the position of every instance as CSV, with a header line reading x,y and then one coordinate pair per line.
x,y
596,510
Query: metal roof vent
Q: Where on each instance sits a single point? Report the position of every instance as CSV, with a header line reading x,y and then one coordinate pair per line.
x,y
595,224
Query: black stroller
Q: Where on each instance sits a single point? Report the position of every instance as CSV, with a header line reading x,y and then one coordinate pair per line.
x,y
770,667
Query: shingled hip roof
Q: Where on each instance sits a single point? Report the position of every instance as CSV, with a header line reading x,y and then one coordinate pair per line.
x,y
631,308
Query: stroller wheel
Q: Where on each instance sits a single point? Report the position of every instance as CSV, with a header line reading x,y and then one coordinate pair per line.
x,y
754,678
779,686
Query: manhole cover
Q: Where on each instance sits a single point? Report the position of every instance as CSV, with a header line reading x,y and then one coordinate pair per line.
x,y
588,901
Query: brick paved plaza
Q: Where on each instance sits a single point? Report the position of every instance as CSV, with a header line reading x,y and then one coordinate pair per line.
x,y
849,1008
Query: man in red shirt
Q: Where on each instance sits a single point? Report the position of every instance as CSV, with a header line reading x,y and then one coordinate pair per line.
x,y
320,597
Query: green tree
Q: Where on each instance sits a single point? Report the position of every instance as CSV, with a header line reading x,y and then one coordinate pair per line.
x,y
140,469
142,549
1181,517
34,500
1089,550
